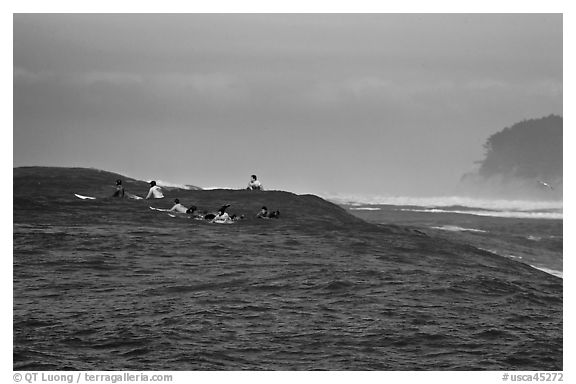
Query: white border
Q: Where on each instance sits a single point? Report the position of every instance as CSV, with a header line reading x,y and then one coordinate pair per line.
x,y
300,6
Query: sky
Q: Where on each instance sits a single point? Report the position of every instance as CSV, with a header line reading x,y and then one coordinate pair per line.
x,y
385,104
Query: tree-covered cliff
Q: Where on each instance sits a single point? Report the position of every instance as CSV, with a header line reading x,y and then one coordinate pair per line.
x,y
530,149
521,161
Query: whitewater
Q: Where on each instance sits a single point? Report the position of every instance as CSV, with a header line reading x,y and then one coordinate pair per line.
x,y
530,232
457,204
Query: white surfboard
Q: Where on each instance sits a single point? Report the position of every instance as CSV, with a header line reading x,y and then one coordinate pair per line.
x,y
84,197
135,197
159,209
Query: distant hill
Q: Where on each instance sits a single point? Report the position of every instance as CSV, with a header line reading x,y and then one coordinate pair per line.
x,y
530,149
520,158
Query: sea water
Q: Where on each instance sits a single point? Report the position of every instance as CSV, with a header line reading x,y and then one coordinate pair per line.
x,y
530,232
113,285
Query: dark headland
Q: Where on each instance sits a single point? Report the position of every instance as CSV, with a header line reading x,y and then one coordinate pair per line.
x,y
316,289
521,161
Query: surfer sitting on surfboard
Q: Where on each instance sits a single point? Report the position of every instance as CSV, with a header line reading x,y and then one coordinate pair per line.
x,y
254,184
155,191
119,189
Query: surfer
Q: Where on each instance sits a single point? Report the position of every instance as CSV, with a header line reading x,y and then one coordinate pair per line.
x,y
254,184
222,216
178,207
195,215
264,214
155,191
119,189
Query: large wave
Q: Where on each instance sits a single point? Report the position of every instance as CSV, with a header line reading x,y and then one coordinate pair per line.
x,y
447,201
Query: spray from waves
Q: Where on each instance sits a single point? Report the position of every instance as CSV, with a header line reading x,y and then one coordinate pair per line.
x,y
365,209
455,228
458,204
507,214
446,201
549,271
167,184
216,187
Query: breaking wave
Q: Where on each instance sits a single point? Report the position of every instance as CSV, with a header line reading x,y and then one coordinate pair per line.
x,y
455,228
167,184
365,209
525,209
549,271
508,214
447,201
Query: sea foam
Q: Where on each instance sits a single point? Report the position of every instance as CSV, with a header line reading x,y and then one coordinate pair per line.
x,y
447,201
455,228
168,184
528,209
549,271
506,214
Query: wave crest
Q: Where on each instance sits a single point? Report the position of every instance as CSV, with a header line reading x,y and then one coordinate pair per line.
x,y
508,214
447,201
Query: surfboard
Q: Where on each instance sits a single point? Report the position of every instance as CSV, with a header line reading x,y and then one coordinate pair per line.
x,y
84,197
130,196
159,209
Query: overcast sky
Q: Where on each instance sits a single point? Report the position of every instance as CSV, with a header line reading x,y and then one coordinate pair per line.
x,y
385,104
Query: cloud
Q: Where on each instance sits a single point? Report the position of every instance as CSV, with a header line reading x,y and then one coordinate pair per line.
x,y
208,86
124,88
75,78
201,82
32,77
112,78
401,89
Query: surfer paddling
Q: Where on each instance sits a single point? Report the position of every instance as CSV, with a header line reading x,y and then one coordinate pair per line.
x,y
193,214
222,217
179,208
264,214
155,191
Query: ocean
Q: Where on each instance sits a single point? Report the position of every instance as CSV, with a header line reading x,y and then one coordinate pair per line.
x,y
526,231
109,284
